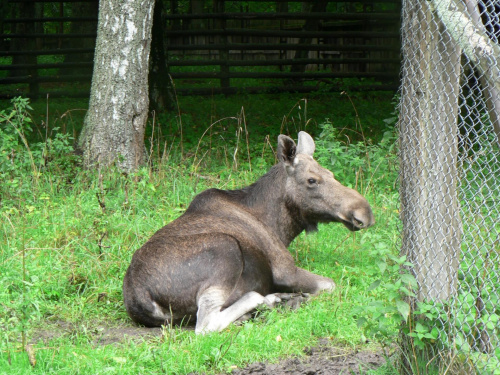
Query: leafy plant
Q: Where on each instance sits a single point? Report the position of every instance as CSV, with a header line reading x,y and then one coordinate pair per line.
x,y
373,164
387,306
22,162
15,124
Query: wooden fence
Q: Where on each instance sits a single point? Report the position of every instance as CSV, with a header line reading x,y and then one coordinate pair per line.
x,y
212,47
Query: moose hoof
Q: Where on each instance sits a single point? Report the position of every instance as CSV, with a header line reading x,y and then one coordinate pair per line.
x,y
326,286
244,318
271,300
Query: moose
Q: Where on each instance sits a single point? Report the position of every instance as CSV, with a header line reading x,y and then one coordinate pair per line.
x,y
227,254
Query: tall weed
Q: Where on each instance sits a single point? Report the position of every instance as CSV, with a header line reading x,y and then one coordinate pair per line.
x,y
362,164
23,163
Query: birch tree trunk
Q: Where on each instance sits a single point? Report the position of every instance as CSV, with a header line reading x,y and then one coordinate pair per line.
x,y
114,126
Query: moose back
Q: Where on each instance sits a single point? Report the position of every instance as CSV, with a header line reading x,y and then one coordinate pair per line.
x,y
227,254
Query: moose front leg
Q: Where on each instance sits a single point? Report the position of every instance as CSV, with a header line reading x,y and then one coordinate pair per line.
x,y
300,280
211,317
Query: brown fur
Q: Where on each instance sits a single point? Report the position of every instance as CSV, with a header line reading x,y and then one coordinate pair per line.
x,y
229,249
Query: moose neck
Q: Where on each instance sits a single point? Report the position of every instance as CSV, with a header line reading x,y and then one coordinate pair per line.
x,y
267,199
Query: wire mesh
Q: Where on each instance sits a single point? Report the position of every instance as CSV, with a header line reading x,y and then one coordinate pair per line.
x,y
450,174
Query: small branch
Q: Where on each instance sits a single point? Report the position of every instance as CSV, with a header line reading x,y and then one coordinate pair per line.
x,y
101,203
465,27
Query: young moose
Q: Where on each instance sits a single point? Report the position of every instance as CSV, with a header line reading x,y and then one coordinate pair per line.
x,y
227,254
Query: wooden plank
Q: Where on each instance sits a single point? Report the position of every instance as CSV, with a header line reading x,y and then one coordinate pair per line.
x,y
312,1
231,90
47,66
278,62
69,1
285,33
281,89
48,36
45,79
309,1
285,15
282,47
51,19
62,51
280,75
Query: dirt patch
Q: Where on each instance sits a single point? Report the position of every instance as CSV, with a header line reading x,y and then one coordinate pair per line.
x,y
323,359
105,332
102,334
119,334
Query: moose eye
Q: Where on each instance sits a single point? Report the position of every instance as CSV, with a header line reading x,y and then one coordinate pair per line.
x,y
311,181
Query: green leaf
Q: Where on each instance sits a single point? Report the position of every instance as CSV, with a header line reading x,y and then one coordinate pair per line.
x,y
403,308
406,292
390,120
409,279
374,285
434,333
361,322
382,266
419,344
420,328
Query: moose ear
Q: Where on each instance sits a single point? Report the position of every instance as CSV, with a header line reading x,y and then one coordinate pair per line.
x,y
286,149
305,144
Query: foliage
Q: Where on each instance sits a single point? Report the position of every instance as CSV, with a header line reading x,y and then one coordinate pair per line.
x,y
22,163
374,164
381,316
15,123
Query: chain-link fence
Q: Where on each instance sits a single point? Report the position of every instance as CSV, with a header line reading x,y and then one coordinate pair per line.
x,y
450,182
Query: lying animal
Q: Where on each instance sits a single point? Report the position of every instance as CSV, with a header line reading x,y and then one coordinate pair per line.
x,y
227,254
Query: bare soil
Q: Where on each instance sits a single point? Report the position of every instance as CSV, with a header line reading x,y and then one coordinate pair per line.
x,y
324,359
102,334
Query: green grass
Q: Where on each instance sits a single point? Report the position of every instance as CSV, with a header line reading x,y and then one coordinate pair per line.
x,y
66,271
67,237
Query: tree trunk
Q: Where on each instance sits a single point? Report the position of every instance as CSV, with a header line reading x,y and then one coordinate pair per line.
x,y
429,152
464,25
430,209
490,79
115,122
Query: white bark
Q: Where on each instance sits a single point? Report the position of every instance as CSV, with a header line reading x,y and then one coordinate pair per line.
x,y
118,108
